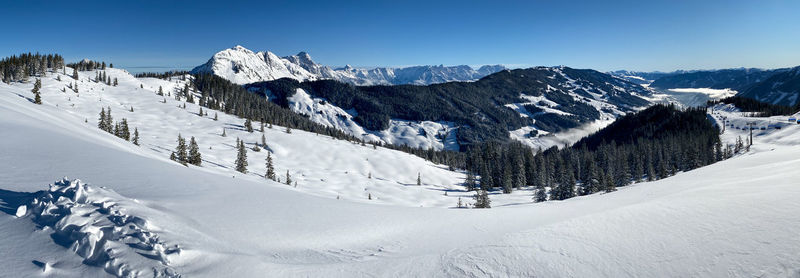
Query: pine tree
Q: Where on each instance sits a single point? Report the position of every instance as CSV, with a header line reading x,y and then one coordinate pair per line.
x,y
180,151
135,139
288,178
541,195
185,92
75,74
592,182
262,127
109,124
419,179
160,91
506,180
519,176
37,98
200,113
116,82
482,199
101,123
486,178
288,130
241,157
248,125
263,140
223,133
270,168
124,131
215,116
194,153
469,182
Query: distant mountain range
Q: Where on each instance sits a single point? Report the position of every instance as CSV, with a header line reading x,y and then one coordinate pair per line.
x,y
242,66
781,88
775,86
642,77
735,79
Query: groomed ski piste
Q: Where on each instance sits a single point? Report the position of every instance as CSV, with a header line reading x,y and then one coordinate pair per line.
x,y
128,211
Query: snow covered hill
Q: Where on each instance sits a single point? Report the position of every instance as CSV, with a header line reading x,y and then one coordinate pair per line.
x,y
136,213
243,66
781,88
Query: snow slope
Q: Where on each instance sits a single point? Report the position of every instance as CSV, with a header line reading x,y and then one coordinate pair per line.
x,y
580,91
423,134
734,218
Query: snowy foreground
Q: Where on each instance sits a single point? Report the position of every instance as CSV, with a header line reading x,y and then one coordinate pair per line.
x,y
135,213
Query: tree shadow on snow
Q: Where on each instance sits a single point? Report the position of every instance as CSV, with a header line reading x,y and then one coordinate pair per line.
x,y
26,98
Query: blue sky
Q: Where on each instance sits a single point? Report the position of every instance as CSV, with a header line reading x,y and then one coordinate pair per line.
x,y
604,35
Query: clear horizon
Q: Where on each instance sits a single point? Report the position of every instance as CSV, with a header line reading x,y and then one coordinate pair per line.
x,y
607,36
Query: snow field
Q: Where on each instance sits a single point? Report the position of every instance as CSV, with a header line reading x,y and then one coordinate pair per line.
x,y
734,218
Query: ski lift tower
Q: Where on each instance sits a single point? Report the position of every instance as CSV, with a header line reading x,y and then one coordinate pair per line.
x,y
724,123
752,126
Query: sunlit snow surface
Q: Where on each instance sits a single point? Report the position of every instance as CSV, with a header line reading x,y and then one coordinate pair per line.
x,y
734,218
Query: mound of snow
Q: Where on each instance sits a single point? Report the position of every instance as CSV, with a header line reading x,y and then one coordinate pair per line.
x,y
95,224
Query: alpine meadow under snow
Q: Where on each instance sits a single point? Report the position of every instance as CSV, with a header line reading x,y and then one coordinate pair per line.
x,y
77,201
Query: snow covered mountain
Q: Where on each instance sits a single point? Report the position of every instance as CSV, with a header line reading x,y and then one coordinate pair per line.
x,y
417,75
542,107
781,88
696,87
243,66
356,210
641,77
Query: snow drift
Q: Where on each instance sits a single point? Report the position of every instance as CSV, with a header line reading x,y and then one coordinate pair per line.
x,y
95,224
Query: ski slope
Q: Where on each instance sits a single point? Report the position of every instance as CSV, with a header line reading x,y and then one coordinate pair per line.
x,y
734,218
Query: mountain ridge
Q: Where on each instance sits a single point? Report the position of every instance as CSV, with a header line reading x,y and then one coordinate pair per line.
x,y
242,66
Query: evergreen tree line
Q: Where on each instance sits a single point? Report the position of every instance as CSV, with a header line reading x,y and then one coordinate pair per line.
x,y
757,108
102,77
594,164
162,75
19,68
86,65
119,129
